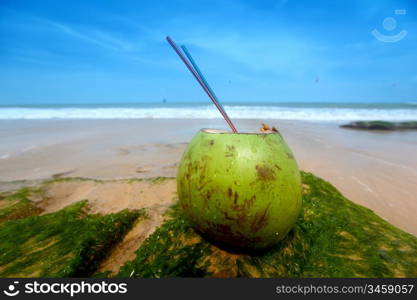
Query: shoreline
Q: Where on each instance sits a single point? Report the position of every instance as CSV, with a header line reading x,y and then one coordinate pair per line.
x,y
374,169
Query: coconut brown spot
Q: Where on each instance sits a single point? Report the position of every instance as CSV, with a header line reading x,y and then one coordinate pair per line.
x,y
230,151
260,220
249,202
240,218
224,233
264,172
227,217
207,198
245,206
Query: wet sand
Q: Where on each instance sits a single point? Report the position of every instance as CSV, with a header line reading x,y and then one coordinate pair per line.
x,y
375,169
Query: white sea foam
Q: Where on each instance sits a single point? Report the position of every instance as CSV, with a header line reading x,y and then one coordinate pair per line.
x,y
209,112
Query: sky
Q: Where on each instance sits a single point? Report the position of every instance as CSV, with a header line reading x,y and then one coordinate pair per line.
x,y
105,51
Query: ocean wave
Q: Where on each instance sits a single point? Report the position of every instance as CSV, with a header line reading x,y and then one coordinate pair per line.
x,y
210,112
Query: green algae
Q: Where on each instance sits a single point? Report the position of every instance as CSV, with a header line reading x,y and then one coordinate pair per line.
x,y
169,252
67,243
333,237
349,240
17,205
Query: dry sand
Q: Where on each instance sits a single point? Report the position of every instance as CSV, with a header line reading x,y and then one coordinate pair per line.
x,y
375,169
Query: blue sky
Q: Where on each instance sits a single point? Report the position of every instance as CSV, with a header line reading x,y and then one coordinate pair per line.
x,y
54,51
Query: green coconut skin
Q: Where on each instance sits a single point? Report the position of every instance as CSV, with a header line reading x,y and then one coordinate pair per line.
x,y
240,189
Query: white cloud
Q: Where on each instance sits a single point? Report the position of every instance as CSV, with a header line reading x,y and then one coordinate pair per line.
x,y
93,36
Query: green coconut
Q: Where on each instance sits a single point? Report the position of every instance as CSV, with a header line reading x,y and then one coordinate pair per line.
x,y
240,189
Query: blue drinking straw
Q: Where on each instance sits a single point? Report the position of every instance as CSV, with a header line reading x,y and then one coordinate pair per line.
x,y
200,81
191,59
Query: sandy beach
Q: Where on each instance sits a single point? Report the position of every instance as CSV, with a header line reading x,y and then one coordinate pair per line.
x,y
375,169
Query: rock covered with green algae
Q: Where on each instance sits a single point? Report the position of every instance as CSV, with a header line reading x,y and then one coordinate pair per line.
x,y
381,125
67,243
333,237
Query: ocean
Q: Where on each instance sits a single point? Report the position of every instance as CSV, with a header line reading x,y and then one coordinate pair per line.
x,y
285,111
